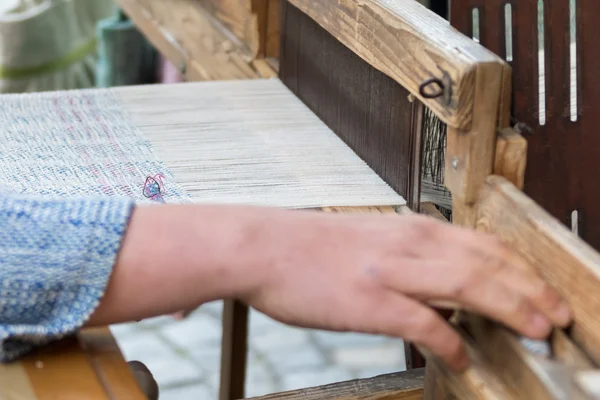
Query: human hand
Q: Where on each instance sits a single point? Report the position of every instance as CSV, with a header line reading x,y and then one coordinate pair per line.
x,y
383,275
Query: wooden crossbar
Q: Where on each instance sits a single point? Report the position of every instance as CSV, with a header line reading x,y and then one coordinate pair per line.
x,y
395,37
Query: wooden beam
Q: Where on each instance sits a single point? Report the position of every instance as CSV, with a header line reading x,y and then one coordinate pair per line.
x,y
395,38
194,40
407,385
470,153
566,262
477,383
527,375
243,18
111,367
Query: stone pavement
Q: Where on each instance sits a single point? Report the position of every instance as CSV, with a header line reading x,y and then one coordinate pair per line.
x,y
184,355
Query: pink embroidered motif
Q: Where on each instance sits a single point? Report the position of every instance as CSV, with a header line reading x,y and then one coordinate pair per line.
x,y
154,187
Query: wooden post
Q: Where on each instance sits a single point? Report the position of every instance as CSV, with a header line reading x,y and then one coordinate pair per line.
x,y
234,350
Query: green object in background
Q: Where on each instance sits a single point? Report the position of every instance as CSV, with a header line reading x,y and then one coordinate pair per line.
x,y
69,59
125,57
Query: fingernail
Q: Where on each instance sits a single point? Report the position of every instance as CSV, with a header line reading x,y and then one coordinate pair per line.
x,y
540,324
563,312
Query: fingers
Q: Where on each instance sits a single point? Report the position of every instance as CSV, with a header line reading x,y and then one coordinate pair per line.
x,y
505,265
472,289
400,316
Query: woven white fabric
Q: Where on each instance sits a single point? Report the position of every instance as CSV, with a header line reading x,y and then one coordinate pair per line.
x,y
76,143
49,44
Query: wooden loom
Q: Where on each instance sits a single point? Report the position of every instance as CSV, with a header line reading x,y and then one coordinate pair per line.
x,y
391,46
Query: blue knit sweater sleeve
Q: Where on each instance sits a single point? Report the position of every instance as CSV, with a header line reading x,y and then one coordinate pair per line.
x,y
56,257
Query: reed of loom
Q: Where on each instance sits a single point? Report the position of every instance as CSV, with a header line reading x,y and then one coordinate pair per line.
x,y
380,117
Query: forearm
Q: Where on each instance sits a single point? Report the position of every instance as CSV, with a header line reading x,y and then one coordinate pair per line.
x,y
178,257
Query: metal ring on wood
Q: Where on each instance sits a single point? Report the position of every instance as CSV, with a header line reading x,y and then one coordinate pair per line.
x,y
428,83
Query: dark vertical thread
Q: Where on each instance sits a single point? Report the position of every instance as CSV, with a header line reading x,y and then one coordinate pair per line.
x,y
367,109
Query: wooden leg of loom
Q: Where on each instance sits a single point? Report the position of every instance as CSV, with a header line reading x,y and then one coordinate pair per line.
x,y
234,349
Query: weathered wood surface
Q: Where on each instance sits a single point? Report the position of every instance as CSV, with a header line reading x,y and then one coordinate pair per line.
x,y
569,265
395,38
470,153
562,259
407,385
525,374
254,22
477,383
194,40
89,366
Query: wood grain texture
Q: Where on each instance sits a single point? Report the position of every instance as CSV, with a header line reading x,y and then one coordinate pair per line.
x,y
562,259
192,39
406,385
477,383
470,153
89,366
565,351
111,368
525,374
395,38
511,157
254,22
273,30
243,18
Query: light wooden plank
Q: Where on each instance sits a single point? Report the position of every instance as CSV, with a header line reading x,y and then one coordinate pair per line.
x,y
561,258
395,36
110,366
406,385
14,383
63,371
192,39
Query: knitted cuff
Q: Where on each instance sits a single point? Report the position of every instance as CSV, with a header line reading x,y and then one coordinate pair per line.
x,y
56,257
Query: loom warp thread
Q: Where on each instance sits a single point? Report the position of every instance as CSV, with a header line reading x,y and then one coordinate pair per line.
x,y
154,187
